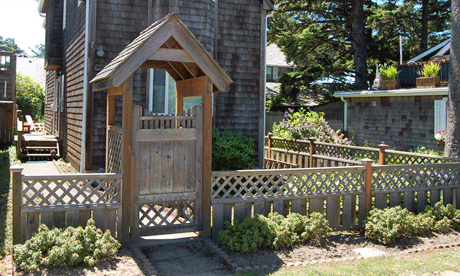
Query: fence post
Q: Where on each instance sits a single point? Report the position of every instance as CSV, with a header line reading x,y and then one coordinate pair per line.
x,y
368,182
270,135
16,179
382,148
312,151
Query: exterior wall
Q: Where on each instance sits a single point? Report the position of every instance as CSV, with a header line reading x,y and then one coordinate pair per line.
x,y
54,34
70,130
49,98
238,53
333,113
398,121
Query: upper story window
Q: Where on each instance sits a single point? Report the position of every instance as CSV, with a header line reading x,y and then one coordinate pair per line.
x,y
64,14
272,73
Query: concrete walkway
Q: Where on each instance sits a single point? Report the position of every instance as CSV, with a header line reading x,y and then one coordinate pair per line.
x,y
39,168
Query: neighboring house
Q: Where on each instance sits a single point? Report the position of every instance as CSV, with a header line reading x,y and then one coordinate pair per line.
x,y
276,63
405,118
32,67
84,36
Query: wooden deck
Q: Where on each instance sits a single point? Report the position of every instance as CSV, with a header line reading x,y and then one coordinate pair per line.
x,y
39,144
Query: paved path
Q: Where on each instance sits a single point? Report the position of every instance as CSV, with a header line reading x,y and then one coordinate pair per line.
x,y
185,258
39,168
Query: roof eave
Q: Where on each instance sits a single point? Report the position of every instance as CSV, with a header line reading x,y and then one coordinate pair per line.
x,y
440,91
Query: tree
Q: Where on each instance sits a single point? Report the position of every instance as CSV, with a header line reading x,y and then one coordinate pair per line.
x,y
9,45
39,51
30,96
453,107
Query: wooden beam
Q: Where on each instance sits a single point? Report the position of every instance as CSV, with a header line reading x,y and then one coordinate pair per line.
x,y
193,69
171,55
110,121
112,91
179,69
207,155
156,64
126,153
195,87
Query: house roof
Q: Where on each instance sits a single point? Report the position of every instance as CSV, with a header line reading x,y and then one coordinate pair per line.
x,y
440,49
166,44
439,91
275,57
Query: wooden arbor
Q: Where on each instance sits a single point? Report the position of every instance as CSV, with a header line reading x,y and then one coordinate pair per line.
x,y
166,161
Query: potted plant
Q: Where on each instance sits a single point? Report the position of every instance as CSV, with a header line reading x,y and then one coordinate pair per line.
x,y
429,75
441,137
389,81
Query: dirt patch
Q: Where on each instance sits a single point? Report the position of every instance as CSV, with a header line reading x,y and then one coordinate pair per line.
x,y
124,263
338,247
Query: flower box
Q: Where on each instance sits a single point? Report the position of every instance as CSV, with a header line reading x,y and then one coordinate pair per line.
x,y
427,82
389,84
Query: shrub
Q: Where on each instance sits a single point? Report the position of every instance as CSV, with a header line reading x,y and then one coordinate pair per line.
x,y
30,96
385,226
430,69
68,247
304,125
232,152
247,235
388,72
274,231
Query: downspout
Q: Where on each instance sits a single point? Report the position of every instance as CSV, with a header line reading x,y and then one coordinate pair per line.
x,y
345,113
85,91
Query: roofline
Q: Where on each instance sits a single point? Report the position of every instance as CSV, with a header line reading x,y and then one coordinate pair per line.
x,y
41,6
440,91
429,51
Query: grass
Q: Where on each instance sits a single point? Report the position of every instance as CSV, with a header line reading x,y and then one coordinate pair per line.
x,y
421,263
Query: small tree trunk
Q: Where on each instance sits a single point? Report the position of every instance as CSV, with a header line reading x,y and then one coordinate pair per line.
x,y
453,107
359,44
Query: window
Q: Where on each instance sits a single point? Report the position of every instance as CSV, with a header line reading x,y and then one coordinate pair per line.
x,y
162,93
272,73
64,14
58,103
440,115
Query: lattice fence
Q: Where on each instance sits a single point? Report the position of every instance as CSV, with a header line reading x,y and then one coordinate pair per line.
x,y
114,146
339,191
428,183
63,200
346,152
393,157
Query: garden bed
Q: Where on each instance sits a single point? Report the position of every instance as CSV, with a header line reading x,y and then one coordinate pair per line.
x,y
338,247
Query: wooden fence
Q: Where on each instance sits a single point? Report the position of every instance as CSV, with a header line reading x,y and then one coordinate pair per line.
x,y
312,154
65,200
344,194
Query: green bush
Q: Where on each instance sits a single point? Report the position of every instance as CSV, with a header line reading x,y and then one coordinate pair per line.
x,y
388,72
247,235
65,247
304,125
385,226
30,96
274,231
232,152
430,69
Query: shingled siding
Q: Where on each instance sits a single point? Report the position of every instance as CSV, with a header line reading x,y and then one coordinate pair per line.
x,y
50,77
72,114
71,118
118,23
197,15
409,120
238,53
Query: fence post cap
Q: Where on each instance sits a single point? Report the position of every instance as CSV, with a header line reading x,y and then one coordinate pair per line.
x,y
16,168
384,146
366,161
312,139
270,134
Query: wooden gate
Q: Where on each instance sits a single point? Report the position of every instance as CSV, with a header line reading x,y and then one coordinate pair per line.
x,y
167,172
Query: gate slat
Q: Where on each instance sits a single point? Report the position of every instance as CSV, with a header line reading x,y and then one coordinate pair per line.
x,y
447,196
333,211
347,212
217,219
395,199
381,201
317,205
434,197
409,202
421,201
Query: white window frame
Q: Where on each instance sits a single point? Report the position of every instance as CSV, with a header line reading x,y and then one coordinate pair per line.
x,y
64,14
151,78
440,115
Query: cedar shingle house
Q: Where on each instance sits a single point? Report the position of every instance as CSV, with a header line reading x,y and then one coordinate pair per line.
x,y
84,36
